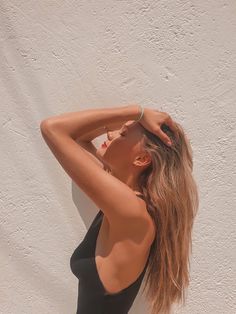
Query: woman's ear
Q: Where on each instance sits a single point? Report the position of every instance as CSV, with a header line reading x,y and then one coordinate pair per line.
x,y
144,159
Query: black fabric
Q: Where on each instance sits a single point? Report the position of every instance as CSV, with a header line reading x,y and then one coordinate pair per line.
x,y
92,297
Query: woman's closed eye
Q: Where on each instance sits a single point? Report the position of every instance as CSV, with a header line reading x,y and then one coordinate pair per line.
x,y
110,137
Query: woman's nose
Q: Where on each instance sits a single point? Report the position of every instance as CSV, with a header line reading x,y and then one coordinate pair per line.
x,y
111,134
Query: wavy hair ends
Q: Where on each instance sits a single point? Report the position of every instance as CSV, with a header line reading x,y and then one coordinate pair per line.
x,y
171,195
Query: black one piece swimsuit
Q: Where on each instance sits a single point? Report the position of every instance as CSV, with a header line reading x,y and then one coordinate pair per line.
x,y
92,296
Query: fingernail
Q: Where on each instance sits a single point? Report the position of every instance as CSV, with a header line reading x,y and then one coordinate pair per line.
x,y
169,143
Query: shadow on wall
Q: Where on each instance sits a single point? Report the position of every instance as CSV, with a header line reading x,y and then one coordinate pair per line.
x,y
44,282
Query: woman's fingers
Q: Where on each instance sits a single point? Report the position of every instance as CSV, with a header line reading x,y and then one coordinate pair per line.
x,y
171,125
165,138
152,121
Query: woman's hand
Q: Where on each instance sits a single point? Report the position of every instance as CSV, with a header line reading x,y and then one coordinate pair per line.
x,y
152,121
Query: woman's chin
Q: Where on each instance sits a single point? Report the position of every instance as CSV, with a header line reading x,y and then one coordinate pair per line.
x,y
100,152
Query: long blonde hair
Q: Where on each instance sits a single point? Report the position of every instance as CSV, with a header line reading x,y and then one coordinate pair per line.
x,y
172,199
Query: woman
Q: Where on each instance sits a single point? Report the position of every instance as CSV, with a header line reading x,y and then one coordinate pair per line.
x,y
141,180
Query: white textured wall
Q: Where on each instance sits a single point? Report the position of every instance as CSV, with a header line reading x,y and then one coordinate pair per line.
x,y
59,56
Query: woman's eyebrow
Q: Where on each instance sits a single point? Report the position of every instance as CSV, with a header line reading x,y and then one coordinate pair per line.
x,y
125,126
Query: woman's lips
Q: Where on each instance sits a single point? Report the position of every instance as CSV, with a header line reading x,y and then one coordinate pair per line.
x,y
104,144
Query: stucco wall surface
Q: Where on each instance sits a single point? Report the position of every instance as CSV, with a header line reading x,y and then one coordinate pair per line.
x,y
59,56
